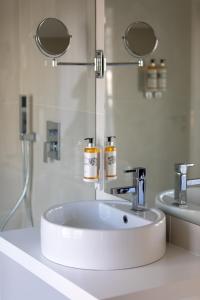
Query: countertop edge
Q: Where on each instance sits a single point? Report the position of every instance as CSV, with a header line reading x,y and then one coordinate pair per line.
x,y
46,274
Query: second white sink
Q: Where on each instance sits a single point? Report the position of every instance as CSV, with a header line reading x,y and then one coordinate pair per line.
x,y
102,235
191,213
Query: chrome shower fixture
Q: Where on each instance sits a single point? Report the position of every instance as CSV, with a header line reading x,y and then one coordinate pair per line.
x,y
27,137
25,119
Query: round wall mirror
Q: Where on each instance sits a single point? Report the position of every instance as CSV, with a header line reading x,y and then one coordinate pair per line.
x,y
140,39
52,37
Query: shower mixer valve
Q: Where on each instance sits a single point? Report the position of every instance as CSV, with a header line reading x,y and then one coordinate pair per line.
x,y
52,144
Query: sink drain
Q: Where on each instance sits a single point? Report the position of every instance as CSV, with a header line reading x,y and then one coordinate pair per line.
x,y
125,219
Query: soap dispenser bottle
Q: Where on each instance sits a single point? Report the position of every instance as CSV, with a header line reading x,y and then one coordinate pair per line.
x,y
91,166
151,76
110,159
162,76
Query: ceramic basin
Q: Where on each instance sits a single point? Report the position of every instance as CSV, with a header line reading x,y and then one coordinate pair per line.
x,y
191,213
102,235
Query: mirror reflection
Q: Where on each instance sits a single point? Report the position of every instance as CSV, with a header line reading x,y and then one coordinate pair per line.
x,y
52,37
154,133
140,39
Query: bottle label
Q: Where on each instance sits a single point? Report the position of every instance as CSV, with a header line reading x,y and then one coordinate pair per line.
x,y
151,79
110,163
162,79
90,165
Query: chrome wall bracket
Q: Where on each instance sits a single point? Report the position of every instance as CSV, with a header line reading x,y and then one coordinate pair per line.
x,y
30,137
99,64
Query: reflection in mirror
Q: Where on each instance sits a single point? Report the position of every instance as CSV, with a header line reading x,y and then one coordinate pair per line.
x,y
52,37
140,39
156,133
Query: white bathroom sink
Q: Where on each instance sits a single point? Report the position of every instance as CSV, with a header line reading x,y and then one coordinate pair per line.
x,y
191,213
102,235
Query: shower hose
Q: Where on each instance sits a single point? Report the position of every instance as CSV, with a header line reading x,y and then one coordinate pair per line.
x,y
27,161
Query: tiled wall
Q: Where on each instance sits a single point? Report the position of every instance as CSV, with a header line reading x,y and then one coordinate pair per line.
x,y
63,94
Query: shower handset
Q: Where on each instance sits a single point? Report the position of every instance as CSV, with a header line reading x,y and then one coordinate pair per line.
x,y
25,119
27,137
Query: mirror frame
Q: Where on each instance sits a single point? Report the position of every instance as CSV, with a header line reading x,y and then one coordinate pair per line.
x,y
38,40
126,42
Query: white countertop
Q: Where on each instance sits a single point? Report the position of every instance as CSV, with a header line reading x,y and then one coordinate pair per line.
x,y
175,276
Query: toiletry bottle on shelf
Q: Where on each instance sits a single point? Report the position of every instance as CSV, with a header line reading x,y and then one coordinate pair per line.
x,y
110,159
151,76
91,165
162,76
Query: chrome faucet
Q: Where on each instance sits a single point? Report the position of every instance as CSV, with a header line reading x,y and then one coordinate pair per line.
x,y
182,182
137,189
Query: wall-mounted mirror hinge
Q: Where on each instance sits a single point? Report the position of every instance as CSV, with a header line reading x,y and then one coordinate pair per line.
x,y
99,64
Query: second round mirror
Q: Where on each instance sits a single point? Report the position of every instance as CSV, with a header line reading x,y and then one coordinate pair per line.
x,y
140,39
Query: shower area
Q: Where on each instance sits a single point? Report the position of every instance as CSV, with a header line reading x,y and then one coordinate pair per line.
x,y
63,94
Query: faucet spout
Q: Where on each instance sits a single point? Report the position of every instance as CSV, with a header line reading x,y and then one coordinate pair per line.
x,y
193,182
123,190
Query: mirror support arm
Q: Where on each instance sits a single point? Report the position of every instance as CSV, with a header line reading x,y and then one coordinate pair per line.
x,y
138,63
74,64
99,64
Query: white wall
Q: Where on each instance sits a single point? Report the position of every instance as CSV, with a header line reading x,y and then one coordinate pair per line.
x,y
63,94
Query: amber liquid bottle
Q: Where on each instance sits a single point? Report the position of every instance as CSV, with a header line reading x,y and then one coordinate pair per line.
x,y
162,76
110,159
91,164
151,78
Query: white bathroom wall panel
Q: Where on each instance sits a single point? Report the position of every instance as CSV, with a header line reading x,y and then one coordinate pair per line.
x,y
151,133
63,94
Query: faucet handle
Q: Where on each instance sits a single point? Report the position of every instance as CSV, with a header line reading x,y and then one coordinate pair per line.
x,y
182,167
139,173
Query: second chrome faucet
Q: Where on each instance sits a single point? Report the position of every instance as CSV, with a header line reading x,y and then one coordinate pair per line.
x,y
182,182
